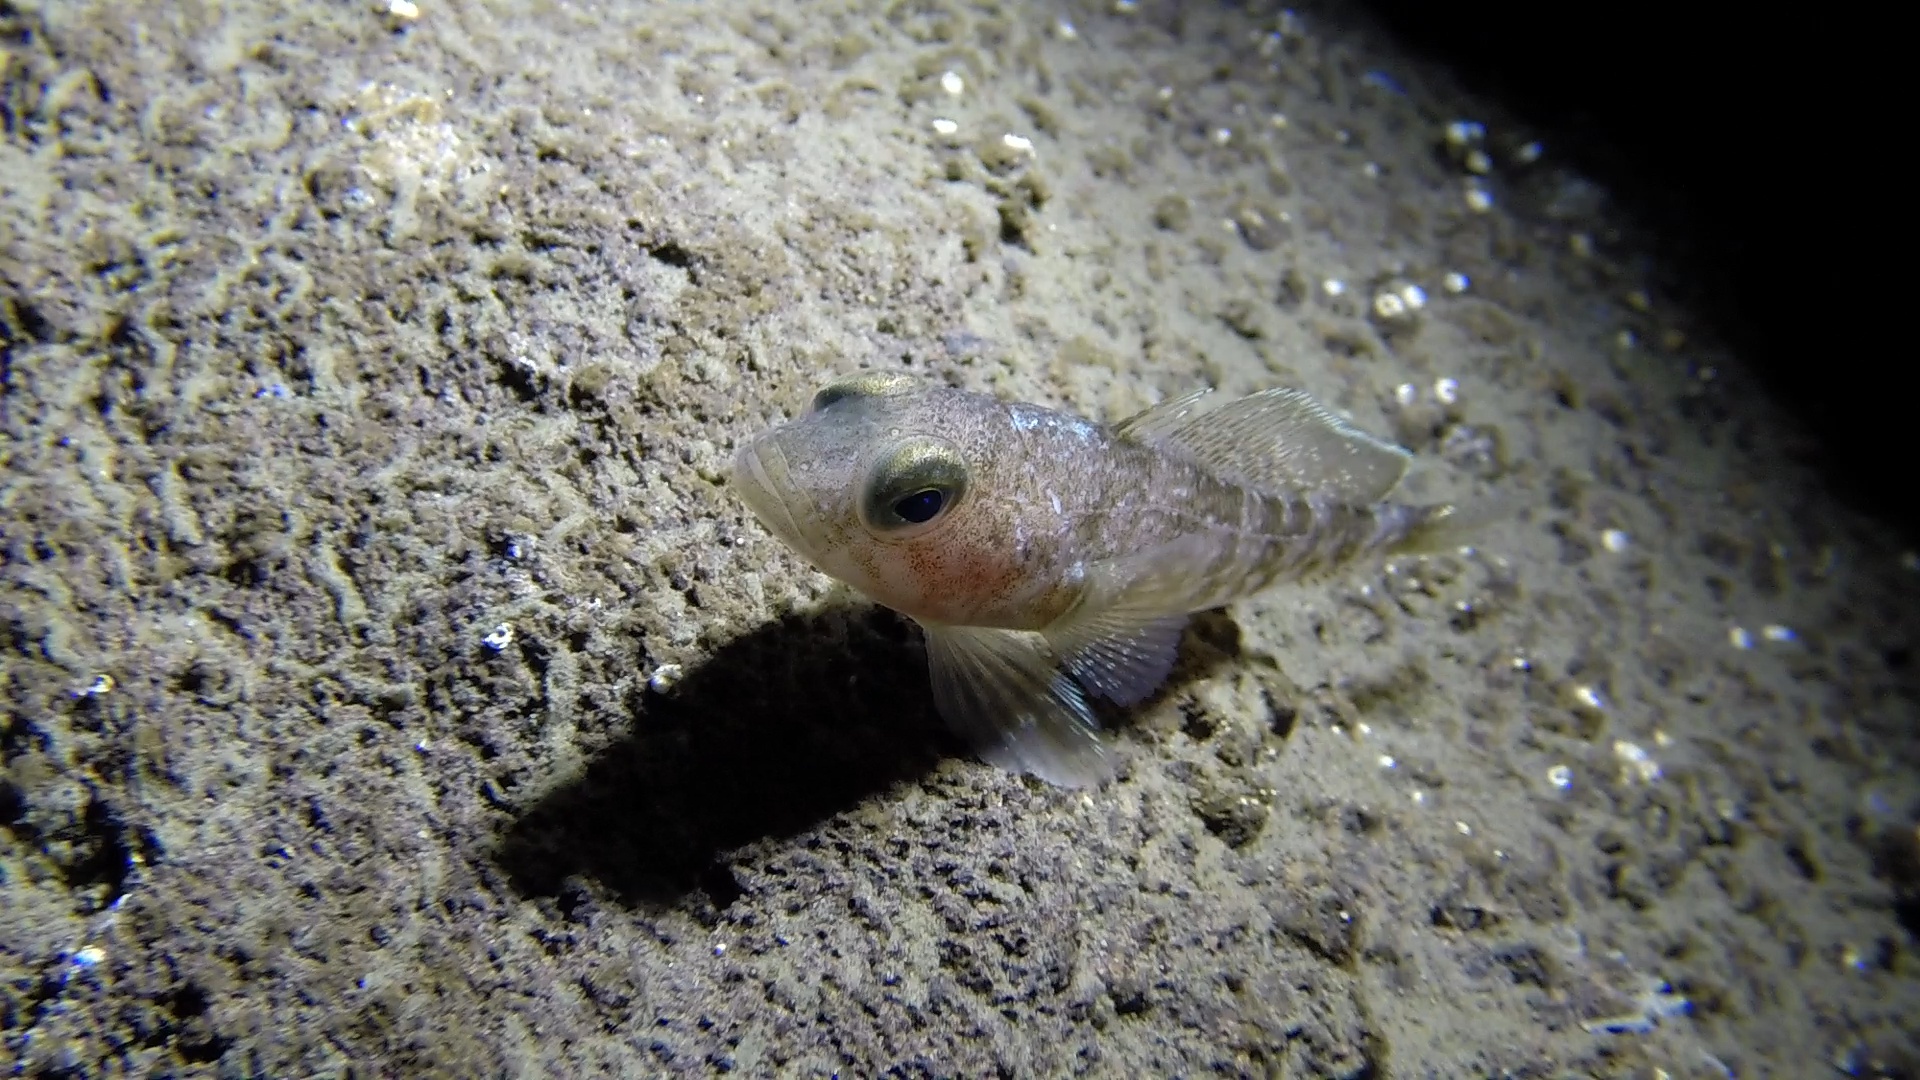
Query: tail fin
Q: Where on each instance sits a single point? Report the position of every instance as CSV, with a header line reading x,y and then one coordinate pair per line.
x,y
1433,530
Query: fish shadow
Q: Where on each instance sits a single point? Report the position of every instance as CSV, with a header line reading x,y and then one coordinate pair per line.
x,y
781,729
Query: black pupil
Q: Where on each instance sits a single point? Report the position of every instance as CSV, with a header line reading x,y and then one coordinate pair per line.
x,y
919,507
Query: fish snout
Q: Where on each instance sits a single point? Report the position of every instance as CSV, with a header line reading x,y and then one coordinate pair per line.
x,y
765,481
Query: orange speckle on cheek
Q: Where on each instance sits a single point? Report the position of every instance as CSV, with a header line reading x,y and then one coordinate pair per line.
x,y
951,582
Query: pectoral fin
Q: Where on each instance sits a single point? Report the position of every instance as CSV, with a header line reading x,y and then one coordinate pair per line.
x,y
1121,660
1004,690
1121,638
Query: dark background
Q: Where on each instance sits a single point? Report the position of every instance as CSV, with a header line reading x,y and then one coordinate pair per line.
x,y
1760,146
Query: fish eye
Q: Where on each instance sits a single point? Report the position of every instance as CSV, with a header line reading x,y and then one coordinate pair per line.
x,y
913,487
864,384
921,506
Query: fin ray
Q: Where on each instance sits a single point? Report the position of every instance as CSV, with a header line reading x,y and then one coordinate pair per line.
x,y
1199,570
1441,528
1116,655
1004,691
1156,422
1275,440
1122,638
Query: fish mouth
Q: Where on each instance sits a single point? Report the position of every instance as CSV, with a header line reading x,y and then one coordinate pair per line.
x,y
765,482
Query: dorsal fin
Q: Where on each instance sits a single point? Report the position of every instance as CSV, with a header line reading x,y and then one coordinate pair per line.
x,y
1156,422
1275,440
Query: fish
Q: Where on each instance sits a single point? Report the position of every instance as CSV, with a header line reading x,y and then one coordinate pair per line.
x,y
1050,559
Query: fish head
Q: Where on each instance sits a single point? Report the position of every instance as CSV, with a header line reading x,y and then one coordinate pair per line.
x,y
885,483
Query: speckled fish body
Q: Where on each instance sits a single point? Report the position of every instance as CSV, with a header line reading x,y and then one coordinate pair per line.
x,y
1047,556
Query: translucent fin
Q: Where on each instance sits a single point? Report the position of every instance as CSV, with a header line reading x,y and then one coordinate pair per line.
x,y
1115,654
1190,573
1276,440
1155,423
1004,691
1123,635
1433,530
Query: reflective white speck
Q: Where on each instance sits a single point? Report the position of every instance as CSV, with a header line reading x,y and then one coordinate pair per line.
x,y
945,127
1462,133
1774,632
1615,540
1447,391
1636,765
1455,282
952,83
1560,776
1739,637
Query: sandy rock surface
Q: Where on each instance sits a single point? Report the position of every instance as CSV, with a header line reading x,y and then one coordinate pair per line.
x,y
393,687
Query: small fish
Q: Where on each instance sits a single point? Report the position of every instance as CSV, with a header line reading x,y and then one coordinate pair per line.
x,y
1048,557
